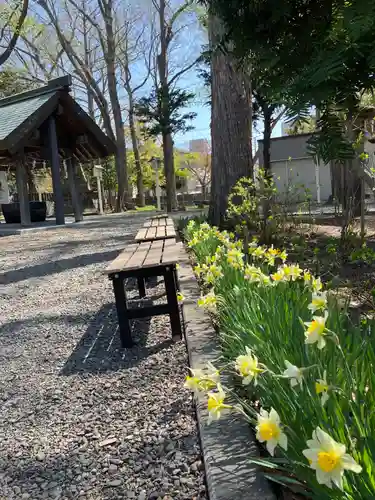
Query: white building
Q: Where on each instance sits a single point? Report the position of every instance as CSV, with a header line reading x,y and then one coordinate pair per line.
x,y
294,170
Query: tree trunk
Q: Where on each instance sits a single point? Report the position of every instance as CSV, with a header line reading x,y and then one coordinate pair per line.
x,y
230,126
137,159
169,173
120,159
267,116
170,181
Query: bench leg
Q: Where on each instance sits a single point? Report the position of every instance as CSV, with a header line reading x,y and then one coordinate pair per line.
x,y
141,287
122,313
174,313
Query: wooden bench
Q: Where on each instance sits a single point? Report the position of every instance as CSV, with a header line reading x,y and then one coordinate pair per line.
x,y
140,261
156,229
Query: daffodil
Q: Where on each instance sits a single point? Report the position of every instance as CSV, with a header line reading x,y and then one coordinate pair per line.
x,y
248,367
316,331
328,458
202,380
321,388
269,431
278,276
307,277
180,297
208,301
292,272
293,373
258,252
316,284
283,256
235,258
252,274
215,404
318,302
213,273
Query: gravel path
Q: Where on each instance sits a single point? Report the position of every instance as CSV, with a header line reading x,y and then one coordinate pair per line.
x,y
79,418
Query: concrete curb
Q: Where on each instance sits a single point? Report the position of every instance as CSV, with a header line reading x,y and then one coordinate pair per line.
x,y
227,444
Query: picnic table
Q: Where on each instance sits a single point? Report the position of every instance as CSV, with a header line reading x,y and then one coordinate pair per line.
x,y
143,260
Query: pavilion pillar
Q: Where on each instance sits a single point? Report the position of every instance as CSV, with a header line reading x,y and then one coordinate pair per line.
x,y
55,168
23,195
71,166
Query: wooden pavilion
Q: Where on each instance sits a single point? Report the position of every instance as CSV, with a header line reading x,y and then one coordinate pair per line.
x,y
48,124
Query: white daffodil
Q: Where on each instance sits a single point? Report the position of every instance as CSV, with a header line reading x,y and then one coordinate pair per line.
x,y
269,430
321,388
316,331
293,373
318,302
328,459
248,367
215,404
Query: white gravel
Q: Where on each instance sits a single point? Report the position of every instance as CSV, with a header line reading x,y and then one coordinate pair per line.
x,y
79,417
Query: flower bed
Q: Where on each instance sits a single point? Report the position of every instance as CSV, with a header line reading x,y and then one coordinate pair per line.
x,y
306,371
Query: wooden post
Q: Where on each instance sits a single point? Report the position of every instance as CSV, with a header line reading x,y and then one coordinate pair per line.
x,y
55,168
23,196
74,192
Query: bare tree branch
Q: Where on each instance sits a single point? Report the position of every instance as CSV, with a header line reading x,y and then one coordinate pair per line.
x,y
7,52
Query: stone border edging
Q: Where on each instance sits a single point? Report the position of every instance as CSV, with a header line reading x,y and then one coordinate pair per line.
x,y
228,443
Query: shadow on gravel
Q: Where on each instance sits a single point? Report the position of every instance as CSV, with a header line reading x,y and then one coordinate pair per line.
x,y
99,350
57,266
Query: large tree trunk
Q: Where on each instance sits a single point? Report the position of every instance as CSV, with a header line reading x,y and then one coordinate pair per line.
x,y
133,133
170,178
170,181
120,160
230,127
137,159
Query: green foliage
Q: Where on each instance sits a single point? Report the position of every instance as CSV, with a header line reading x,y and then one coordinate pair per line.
x,y
160,113
363,255
13,81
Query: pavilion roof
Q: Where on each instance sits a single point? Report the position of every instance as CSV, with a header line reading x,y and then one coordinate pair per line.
x,y
23,115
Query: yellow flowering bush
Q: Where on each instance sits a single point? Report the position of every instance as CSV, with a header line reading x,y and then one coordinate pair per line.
x,y
303,362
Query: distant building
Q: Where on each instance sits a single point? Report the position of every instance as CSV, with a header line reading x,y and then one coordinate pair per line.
x,y
199,146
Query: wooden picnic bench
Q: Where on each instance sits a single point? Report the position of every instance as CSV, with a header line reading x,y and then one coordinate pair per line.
x,y
140,261
158,228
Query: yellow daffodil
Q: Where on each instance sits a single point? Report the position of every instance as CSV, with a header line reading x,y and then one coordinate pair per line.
x,y
235,258
252,274
307,277
316,284
193,384
316,331
318,302
321,388
269,431
180,297
248,367
328,458
258,252
283,256
293,373
292,272
215,404
198,270
213,274
278,276
208,301
202,380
